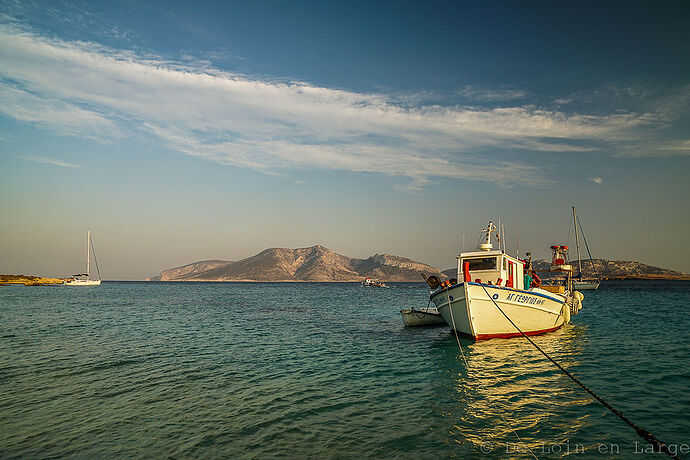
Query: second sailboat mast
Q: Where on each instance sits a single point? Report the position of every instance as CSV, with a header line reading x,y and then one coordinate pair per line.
x,y
577,245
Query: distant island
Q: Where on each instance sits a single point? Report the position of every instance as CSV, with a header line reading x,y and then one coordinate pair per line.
x,y
607,270
29,280
315,263
620,269
318,263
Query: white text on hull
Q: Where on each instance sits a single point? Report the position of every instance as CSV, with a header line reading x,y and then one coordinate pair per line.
x,y
472,311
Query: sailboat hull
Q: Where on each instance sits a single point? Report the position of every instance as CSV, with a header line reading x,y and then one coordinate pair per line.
x,y
82,283
469,310
585,285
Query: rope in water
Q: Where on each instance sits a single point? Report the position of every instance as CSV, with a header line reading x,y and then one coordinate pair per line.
x,y
644,434
467,366
457,338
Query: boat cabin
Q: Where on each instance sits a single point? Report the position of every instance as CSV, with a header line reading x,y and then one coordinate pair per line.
x,y
491,267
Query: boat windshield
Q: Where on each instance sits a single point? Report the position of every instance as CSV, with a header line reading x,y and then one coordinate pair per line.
x,y
482,263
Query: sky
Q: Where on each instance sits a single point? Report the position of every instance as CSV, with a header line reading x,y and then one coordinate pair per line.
x,y
180,131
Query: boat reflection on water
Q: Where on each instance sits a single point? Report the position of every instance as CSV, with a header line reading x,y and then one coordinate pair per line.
x,y
510,399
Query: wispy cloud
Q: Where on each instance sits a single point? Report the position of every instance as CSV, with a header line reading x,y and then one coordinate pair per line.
x,y
597,180
50,161
54,113
479,94
87,90
679,147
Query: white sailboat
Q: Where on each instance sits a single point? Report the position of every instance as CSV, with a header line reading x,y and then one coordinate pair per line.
x,y
501,298
84,279
579,282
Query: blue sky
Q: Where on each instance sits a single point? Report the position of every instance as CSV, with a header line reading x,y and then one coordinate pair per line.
x,y
178,132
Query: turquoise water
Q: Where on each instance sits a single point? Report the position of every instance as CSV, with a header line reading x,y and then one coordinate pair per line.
x,y
327,370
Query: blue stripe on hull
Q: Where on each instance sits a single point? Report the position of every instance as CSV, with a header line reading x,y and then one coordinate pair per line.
x,y
492,286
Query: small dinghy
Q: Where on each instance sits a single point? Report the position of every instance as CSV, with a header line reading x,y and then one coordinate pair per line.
x,y
427,316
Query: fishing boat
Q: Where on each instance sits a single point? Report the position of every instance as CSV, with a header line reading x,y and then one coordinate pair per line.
x,y
84,279
578,281
368,282
497,298
426,316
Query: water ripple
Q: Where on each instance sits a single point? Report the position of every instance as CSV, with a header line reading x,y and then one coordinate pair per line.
x,y
320,370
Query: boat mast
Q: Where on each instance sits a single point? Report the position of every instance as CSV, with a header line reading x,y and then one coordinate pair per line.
x,y
577,245
498,235
88,238
503,236
517,243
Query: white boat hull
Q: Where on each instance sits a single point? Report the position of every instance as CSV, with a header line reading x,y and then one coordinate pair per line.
x,y
469,310
585,285
423,317
82,283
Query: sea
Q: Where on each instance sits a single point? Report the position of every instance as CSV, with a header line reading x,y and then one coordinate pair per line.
x,y
327,370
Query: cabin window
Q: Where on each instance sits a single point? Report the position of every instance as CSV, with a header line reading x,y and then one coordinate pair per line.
x,y
485,263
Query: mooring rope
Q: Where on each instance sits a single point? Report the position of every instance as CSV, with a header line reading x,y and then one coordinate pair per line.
x,y
517,436
467,366
457,338
424,314
644,434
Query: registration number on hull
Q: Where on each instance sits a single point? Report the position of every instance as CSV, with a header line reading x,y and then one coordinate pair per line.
x,y
527,300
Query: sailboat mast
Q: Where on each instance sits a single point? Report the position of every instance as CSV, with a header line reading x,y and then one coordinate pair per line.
x,y
577,244
88,238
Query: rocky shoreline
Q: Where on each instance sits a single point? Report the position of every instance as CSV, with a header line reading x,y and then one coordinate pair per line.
x,y
29,280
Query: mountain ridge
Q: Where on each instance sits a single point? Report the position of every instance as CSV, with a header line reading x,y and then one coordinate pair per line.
x,y
605,269
314,263
318,263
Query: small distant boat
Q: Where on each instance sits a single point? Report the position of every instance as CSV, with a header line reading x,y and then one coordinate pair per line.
x,y
503,295
578,281
84,279
427,316
368,282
